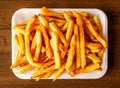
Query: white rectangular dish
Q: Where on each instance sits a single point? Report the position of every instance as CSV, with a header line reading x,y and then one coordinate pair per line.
x,y
26,13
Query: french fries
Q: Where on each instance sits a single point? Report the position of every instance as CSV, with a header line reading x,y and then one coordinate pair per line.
x,y
53,43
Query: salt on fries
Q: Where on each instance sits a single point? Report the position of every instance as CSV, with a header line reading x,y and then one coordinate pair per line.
x,y
51,43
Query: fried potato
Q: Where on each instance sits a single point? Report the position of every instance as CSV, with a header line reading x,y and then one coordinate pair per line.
x,y
51,43
71,53
38,44
56,50
98,24
77,50
47,12
69,31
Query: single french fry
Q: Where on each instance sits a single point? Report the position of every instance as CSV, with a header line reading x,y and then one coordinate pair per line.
x,y
95,50
56,50
38,44
93,46
77,49
64,28
57,30
59,72
88,68
43,21
94,33
83,14
66,16
47,12
24,69
71,53
82,39
69,31
98,24
21,43
19,29
33,45
94,58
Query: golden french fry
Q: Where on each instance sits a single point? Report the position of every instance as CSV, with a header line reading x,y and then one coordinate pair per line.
x,y
64,28
83,14
94,33
71,53
24,68
77,50
66,16
59,72
95,50
82,38
88,68
93,46
43,21
19,29
56,50
94,58
69,31
47,12
21,43
98,24
33,45
57,30
38,44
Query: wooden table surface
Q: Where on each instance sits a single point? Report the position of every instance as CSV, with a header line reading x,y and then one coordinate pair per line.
x,y
111,78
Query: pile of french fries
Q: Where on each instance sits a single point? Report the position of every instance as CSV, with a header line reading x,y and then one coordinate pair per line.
x,y
51,43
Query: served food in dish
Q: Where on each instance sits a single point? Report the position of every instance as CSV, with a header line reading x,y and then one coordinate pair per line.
x,y
51,43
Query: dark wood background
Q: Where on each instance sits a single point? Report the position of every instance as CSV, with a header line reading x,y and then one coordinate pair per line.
x,y
111,78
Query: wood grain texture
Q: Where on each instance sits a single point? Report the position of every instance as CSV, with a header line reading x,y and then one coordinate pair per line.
x,y
110,80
